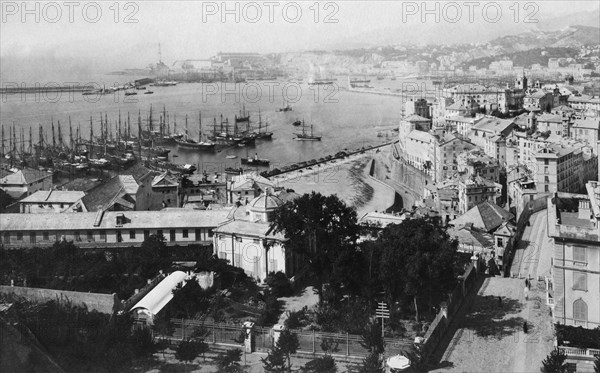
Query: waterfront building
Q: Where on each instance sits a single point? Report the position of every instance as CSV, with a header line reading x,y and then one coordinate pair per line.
x,y
418,106
574,229
121,193
51,201
243,188
205,189
107,229
20,183
165,188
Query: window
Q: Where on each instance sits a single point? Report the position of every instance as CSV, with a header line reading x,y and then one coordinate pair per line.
x,y
500,242
146,234
90,235
579,256
580,281
210,233
32,237
7,237
119,236
102,236
197,233
132,235
46,236
77,236
172,235
19,236
185,233
159,232
580,310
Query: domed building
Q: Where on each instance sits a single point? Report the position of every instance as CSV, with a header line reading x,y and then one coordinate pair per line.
x,y
249,241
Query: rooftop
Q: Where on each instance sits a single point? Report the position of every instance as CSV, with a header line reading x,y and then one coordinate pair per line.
x,y
172,218
486,216
53,196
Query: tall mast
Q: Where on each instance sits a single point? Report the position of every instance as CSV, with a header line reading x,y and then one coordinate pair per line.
x,y
53,137
199,126
140,134
128,127
119,131
150,126
2,141
187,134
91,137
162,129
71,135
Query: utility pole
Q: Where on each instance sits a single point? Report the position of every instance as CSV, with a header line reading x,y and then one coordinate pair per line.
x,y
383,313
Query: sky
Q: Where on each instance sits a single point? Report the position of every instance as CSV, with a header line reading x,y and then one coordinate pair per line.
x,y
110,35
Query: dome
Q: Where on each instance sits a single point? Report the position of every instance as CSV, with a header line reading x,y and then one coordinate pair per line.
x,y
265,203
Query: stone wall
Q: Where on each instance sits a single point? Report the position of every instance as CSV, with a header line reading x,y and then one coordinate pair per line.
x,y
104,303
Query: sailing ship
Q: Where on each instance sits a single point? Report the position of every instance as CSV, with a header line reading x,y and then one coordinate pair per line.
x,y
255,161
285,108
189,143
266,135
304,136
244,116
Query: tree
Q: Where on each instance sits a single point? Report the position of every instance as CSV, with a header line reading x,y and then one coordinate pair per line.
x,y
143,341
373,363
318,228
280,285
322,364
229,361
189,298
288,344
275,361
187,350
419,262
372,339
555,362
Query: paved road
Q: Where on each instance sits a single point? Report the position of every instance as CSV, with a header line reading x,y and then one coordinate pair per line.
x,y
489,337
532,257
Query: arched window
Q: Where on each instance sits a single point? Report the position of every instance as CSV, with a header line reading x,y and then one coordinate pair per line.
x,y
580,310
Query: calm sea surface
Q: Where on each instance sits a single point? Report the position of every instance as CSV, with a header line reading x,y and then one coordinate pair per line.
x,y
345,120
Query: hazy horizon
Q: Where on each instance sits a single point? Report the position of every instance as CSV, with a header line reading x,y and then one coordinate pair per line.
x,y
47,50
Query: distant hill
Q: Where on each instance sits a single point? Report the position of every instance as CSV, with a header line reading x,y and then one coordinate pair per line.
x,y
572,36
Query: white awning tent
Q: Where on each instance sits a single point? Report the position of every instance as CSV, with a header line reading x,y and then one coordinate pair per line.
x,y
158,297
398,363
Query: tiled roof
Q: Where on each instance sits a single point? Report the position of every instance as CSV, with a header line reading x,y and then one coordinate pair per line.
x,y
468,236
172,218
54,196
416,118
486,216
104,195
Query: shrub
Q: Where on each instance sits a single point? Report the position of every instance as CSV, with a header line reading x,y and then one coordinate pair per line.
x,y
280,285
